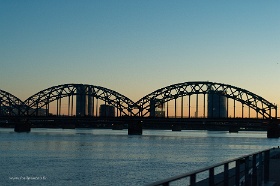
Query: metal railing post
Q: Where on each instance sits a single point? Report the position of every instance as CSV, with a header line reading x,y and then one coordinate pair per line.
x,y
193,180
246,174
254,173
237,172
260,172
226,181
266,166
211,177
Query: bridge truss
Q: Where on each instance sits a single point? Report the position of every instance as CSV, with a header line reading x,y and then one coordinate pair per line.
x,y
10,104
194,96
261,106
40,102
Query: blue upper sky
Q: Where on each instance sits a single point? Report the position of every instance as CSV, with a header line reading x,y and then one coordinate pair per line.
x,y
135,47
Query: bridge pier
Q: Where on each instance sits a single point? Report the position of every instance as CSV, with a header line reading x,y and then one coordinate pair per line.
x,y
233,129
117,126
22,126
273,130
176,127
67,124
135,127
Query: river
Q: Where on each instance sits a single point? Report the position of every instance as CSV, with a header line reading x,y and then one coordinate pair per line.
x,y
111,157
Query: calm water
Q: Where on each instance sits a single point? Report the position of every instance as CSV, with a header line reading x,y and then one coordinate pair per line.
x,y
110,157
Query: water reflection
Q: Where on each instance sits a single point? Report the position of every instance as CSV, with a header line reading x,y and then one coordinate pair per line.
x,y
106,157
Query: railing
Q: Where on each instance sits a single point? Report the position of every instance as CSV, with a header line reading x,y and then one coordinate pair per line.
x,y
252,169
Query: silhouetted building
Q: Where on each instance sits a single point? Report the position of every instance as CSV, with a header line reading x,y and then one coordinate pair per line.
x,y
84,101
90,103
106,111
8,110
38,112
156,108
81,101
14,110
217,105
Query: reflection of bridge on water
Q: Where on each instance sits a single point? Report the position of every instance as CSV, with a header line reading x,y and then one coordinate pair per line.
x,y
190,105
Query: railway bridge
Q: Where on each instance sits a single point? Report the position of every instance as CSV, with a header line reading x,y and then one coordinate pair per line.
x,y
187,101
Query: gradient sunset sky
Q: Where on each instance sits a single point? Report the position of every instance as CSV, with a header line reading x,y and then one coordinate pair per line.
x,y
137,46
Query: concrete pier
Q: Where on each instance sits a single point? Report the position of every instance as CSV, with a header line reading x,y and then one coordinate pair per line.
x,y
273,130
69,126
135,127
117,126
233,129
22,126
176,127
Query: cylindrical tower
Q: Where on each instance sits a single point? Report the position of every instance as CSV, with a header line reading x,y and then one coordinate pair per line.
x,y
217,105
106,111
90,103
81,101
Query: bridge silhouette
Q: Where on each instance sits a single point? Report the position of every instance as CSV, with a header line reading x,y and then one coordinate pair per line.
x,y
190,99
188,105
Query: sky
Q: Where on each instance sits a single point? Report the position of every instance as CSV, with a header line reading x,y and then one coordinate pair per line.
x,y
136,47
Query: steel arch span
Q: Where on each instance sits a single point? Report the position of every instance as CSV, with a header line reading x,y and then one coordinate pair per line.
x,y
172,92
10,104
40,101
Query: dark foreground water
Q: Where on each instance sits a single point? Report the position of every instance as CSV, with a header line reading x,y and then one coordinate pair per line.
x,y
110,157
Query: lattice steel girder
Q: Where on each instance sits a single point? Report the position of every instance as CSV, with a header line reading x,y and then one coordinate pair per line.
x,y
202,87
11,103
44,97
